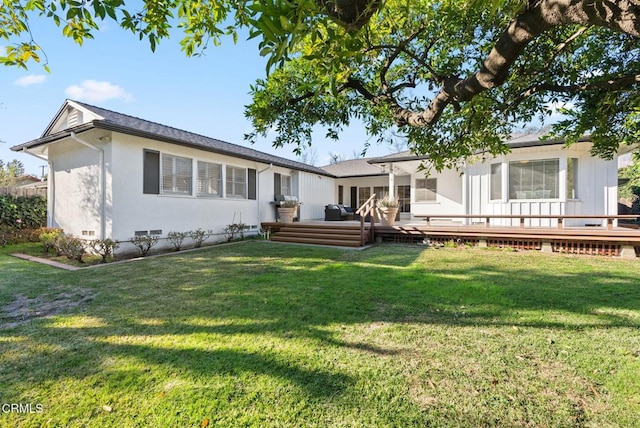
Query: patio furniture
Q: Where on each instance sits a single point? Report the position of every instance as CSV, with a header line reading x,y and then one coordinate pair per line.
x,y
338,212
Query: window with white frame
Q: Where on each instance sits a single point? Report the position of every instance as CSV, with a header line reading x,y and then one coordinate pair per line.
x,y
534,179
496,181
176,175
426,189
209,179
285,185
236,182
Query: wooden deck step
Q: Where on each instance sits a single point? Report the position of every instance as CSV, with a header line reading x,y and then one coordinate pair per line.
x,y
339,234
301,240
327,235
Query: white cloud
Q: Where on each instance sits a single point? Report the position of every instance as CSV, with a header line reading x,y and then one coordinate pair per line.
x,y
32,79
97,92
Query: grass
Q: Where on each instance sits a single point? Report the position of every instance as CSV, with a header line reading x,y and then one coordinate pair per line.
x,y
257,334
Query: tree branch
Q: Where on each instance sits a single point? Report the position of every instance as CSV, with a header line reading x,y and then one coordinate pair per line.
x,y
394,55
539,17
610,84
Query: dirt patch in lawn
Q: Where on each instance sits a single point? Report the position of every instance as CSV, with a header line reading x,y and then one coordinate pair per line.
x,y
23,309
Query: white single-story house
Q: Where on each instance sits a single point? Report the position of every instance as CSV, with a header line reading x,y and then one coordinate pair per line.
x,y
116,176
538,177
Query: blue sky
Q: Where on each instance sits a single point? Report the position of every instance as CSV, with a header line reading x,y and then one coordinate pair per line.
x,y
205,95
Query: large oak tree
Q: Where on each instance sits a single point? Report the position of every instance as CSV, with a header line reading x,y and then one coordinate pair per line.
x,y
455,77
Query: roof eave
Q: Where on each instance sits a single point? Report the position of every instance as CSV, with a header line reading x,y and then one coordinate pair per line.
x,y
518,145
382,174
53,137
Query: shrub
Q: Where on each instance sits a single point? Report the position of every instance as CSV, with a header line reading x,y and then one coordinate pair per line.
x,y
232,229
104,247
177,238
199,236
145,243
73,248
23,212
49,240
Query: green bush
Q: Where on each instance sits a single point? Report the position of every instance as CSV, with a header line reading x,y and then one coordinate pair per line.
x,y
49,239
23,212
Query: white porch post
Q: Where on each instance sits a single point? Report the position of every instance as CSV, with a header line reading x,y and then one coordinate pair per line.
x,y
392,182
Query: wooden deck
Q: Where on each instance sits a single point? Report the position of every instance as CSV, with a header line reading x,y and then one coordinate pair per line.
x,y
594,240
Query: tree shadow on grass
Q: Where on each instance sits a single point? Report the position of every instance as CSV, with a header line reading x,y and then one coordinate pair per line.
x,y
259,292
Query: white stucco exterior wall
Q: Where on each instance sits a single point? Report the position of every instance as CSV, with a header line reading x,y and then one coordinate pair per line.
x,y
135,211
449,194
77,205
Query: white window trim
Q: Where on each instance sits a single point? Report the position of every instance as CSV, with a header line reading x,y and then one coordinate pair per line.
x,y
425,201
229,195
166,192
562,168
284,178
220,193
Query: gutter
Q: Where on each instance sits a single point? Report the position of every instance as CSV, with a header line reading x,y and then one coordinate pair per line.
x,y
103,184
51,182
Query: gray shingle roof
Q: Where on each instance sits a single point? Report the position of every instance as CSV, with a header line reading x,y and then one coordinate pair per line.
x,y
353,168
520,141
130,125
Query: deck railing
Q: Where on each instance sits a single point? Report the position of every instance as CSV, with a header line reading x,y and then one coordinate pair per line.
x,y
522,217
367,209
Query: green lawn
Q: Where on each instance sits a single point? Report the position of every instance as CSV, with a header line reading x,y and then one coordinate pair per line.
x,y
260,334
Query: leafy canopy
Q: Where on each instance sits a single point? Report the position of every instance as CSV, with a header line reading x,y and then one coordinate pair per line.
x,y
455,77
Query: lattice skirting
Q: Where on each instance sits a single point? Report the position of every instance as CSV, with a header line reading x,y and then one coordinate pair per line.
x,y
567,246
589,248
518,244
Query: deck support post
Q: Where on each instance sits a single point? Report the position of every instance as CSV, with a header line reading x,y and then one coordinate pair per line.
x,y
627,252
546,247
482,243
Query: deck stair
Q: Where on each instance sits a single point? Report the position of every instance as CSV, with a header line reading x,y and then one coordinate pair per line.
x,y
339,234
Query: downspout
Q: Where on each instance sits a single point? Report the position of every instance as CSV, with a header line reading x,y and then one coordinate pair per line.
x,y
51,182
258,190
103,184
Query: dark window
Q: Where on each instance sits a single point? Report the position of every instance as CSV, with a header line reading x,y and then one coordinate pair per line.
x,y
251,194
341,194
354,197
151,173
404,198
276,184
